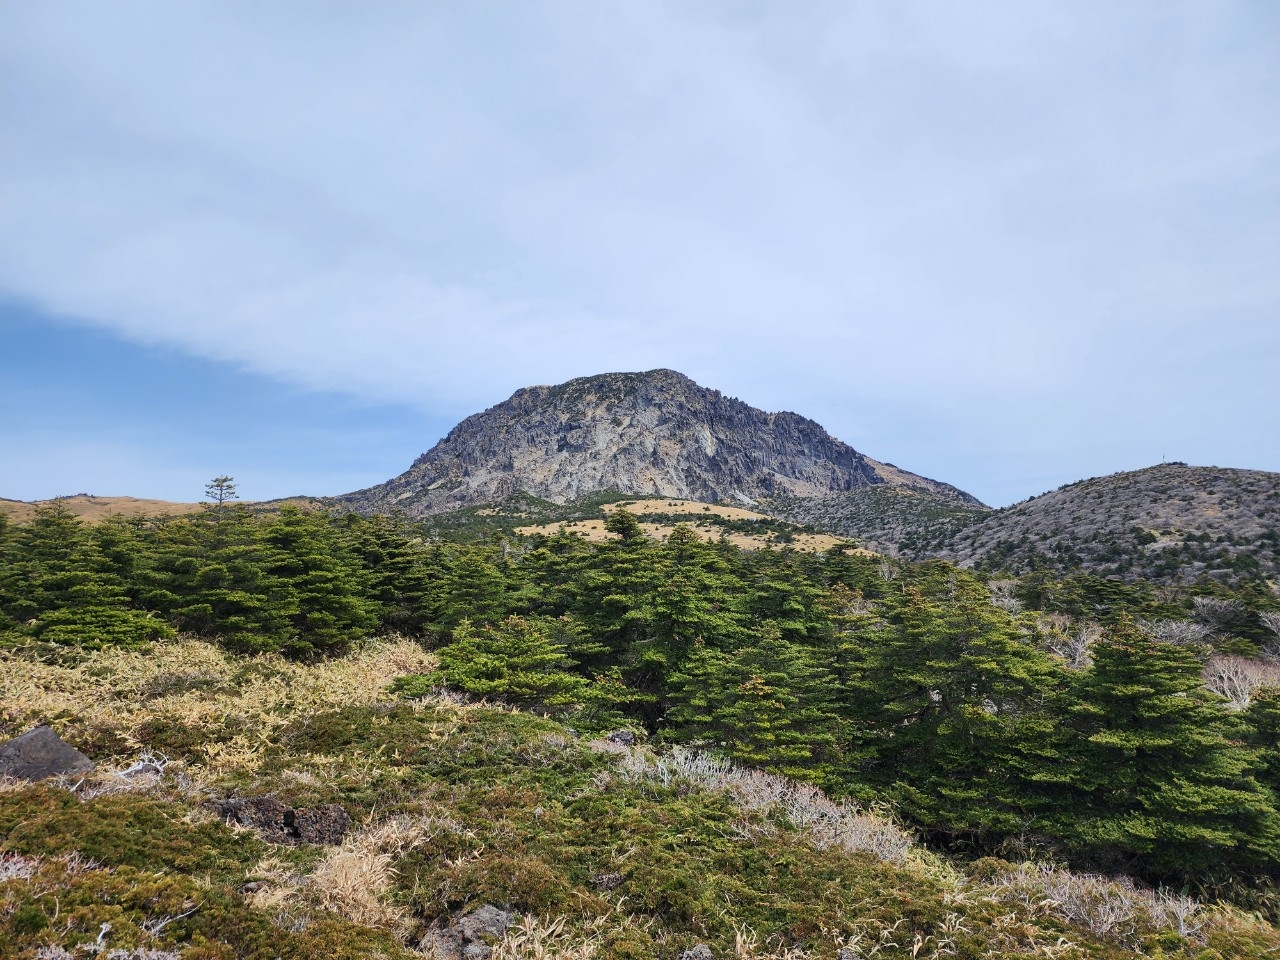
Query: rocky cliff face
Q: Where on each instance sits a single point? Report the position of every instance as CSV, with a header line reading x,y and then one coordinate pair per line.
x,y
655,433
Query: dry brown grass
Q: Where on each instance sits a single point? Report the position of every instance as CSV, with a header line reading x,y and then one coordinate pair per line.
x,y
273,884
594,530
533,939
96,509
355,878
823,822
199,685
560,938
1110,908
648,506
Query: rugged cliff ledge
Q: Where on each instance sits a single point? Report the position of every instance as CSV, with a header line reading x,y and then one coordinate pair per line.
x,y
655,433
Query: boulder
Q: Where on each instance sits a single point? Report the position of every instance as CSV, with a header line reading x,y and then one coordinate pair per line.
x,y
606,881
41,753
486,922
699,952
264,814
442,944
471,937
623,738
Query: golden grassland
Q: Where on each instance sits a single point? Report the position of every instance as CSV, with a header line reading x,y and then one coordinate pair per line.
x,y
197,682
96,509
659,505
116,692
93,510
707,529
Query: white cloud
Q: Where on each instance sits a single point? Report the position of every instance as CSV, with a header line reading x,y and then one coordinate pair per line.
x,y
823,207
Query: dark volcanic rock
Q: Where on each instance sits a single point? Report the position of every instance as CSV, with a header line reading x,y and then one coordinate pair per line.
x,y
607,881
277,823
324,825
41,753
656,434
264,814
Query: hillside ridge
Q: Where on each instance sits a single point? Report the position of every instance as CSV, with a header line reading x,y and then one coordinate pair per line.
x,y
1169,521
653,433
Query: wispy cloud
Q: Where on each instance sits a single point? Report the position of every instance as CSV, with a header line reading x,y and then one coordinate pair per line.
x,y
925,224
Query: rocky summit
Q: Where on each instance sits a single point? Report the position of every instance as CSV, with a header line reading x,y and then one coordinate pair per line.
x,y
655,433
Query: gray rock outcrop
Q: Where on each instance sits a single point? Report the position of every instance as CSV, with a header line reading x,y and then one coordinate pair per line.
x,y
40,753
652,434
471,937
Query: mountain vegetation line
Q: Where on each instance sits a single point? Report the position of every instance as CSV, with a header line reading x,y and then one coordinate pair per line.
x,y
1119,728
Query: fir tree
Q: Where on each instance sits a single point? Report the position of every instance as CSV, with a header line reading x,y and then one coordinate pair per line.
x,y
612,594
9,553
320,584
766,704
516,661
692,599
393,570
211,578
781,593
942,703
1157,778
66,591
1262,732
220,491
470,587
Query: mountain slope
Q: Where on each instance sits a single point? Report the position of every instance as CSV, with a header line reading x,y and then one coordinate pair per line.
x,y
887,518
602,850
93,509
655,433
1168,522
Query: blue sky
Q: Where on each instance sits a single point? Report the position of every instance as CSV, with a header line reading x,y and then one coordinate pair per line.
x,y
1004,245
92,412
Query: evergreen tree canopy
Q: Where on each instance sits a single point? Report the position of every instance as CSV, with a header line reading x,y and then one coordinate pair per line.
x,y
1157,775
766,704
516,661
878,678
62,588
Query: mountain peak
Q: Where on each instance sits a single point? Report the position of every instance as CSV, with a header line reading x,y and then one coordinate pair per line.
x,y
655,433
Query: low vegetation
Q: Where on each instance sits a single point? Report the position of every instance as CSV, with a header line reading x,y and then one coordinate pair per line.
x,y
604,850
886,518
658,518
1171,523
815,752
92,509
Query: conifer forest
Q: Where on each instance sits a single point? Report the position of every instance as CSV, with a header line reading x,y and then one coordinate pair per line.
x,y
1119,729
